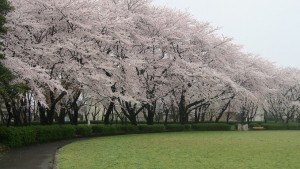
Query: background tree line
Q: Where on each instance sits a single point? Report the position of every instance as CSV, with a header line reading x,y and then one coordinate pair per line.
x,y
128,59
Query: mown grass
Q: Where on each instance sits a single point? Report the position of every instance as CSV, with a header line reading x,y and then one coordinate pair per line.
x,y
185,150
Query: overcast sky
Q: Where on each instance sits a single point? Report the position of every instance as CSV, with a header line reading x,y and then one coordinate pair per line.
x,y
270,28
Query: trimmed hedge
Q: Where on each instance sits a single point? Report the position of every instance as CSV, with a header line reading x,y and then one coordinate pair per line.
x,y
188,127
128,129
106,130
55,132
48,133
16,137
114,129
175,127
20,136
211,127
68,131
281,126
83,130
152,128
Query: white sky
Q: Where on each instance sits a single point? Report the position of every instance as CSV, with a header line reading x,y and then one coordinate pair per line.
x,y
270,28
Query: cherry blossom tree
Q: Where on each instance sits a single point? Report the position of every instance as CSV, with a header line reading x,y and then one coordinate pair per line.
x,y
138,58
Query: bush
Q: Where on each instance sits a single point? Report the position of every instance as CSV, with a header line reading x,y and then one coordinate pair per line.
x,y
175,127
127,128
293,126
96,122
110,130
152,128
48,133
17,136
55,132
188,127
83,130
10,137
28,135
68,131
281,126
106,130
97,129
211,127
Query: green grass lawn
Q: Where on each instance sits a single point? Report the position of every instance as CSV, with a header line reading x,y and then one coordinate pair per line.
x,y
185,150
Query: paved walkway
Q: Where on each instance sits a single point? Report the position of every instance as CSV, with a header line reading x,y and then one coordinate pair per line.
x,y
38,156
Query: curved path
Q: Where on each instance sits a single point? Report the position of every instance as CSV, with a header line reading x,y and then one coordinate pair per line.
x,y
38,156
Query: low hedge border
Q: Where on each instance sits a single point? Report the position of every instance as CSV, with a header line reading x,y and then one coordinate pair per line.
x,y
83,130
21,136
281,126
211,127
178,127
16,137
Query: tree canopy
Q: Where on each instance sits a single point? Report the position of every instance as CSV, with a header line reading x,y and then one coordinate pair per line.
x,y
138,56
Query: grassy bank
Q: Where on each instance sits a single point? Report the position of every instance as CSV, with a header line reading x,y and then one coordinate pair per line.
x,y
256,149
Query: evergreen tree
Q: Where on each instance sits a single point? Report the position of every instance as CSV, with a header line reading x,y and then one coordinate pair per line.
x,y
4,9
5,74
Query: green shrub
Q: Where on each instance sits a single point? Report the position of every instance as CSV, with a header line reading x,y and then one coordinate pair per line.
x,y
127,128
17,136
293,126
97,129
275,126
28,135
68,131
110,130
106,130
188,127
211,127
54,132
83,130
96,122
48,133
152,128
175,127
10,137
280,126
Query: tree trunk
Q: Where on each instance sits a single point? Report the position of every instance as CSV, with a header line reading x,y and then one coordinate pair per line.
x,y
10,115
132,119
29,111
16,114
51,110
222,111
75,115
130,111
50,114
108,112
202,118
227,117
62,115
211,117
167,114
42,112
182,109
151,113
197,115
2,115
